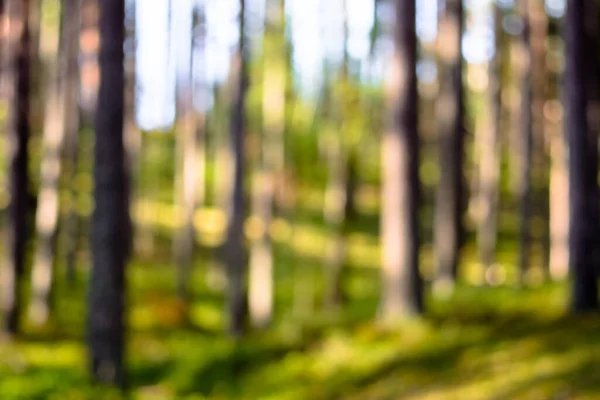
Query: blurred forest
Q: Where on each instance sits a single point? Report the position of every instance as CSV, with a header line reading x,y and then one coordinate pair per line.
x,y
277,199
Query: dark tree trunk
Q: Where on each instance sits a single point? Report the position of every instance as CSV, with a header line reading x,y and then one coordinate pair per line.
x,y
18,130
526,145
581,96
448,233
110,230
236,254
402,284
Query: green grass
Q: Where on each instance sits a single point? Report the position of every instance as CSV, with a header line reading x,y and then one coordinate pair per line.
x,y
481,343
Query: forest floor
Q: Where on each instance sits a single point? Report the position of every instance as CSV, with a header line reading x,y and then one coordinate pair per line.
x,y
480,343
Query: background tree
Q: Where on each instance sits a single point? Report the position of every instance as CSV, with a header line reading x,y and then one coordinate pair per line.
x,y
448,233
401,280
58,124
235,247
489,159
18,132
526,139
106,315
267,179
582,136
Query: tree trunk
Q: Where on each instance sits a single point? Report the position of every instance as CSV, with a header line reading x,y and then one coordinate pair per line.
x,y
186,189
261,285
110,230
42,275
335,218
133,135
18,130
236,253
489,157
526,143
448,230
337,191
402,284
541,164
83,89
581,99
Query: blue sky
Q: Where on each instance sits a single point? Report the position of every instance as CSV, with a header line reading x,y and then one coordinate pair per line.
x,y
316,28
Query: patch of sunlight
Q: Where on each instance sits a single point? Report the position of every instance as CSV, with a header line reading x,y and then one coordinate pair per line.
x,y
56,355
512,371
474,273
309,241
155,213
158,392
367,199
211,226
363,251
210,220
254,227
207,316
212,239
281,230
334,354
495,275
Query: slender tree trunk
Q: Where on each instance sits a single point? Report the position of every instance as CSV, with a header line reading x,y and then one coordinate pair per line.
x,y
402,284
582,136
526,145
83,91
559,183
18,130
236,253
186,193
489,157
261,285
559,200
337,192
539,82
335,218
106,317
448,233
133,135
42,275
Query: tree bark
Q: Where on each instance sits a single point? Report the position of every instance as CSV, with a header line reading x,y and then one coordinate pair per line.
x,y
582,137
541,162
489,162
402,293
236,253
526,142
449,230
106,319
18,131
